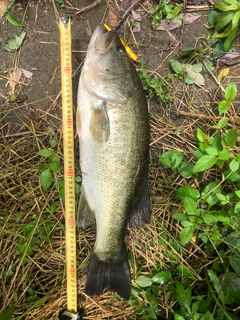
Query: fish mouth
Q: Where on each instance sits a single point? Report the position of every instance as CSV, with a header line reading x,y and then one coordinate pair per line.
x,y
102,39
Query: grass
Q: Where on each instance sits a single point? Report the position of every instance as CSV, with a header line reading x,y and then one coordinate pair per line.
x,y
171,280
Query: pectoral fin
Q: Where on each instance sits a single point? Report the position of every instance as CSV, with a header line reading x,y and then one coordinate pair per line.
x,y
100,124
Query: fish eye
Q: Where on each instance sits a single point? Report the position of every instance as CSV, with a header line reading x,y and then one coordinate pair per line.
x,y
120,48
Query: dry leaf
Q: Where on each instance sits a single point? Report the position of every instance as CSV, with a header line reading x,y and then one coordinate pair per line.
x,y
14,77
136,16
27,73
198,78
167,24
137,27
112,18
229,59
3,7
190,17
223,74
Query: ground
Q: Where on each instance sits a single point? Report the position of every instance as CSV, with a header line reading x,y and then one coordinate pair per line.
x,y
32,273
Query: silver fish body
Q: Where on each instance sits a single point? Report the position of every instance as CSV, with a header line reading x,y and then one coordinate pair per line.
x,y
113,130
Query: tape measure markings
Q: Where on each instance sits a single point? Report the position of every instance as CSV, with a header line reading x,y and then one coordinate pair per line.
x,y
68,150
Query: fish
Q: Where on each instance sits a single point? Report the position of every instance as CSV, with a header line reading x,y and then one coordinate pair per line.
x,y
112,124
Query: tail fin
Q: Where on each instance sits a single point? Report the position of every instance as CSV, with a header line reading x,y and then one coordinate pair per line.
x,y
113,274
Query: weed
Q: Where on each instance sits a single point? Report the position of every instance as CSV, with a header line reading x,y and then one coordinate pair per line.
x,y
52,166
165,9
210,216
61,2
225,21
154,86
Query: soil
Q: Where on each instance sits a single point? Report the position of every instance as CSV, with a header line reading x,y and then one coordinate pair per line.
x,y
39,97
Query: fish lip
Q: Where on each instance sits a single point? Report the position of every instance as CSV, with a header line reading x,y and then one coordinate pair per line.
x,y
102,39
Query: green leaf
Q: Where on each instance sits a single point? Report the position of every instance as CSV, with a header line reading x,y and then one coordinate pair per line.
x,y
46,179
7,314
235,20
233,239
198,67
221,124
224,19
13,20
190,205
190,79
222,198
53,207
211,151
171,159
201,135
183,271
235,2
237,208
178,316
44,153
216,141
230,138
184,297
209,192
218,50
51,130
231,282
210,219
229,40
234,165
14,42
207,316
225,154
198,154
186,234
225,7
162,277
212,17
235,264
55,163
186,224
231,90
143,281
204,163
223,216
216,284
180,216
223,106
187,191
44,236
237,192
176,66
53,142
185,169
224,34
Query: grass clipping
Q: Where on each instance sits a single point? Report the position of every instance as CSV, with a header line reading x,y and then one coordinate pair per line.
x,y
32,269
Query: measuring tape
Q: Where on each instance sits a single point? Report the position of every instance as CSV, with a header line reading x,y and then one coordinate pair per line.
x,y
69,172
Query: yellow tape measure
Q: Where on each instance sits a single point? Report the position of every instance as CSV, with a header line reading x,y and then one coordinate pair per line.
x,y
69,171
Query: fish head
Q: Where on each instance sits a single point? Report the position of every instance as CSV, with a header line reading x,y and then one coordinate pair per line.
x,y
108,72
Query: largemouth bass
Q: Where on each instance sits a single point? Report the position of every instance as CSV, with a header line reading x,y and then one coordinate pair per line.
x,y
113,130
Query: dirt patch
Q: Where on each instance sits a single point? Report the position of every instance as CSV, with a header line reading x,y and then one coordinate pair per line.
x,y
33,281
